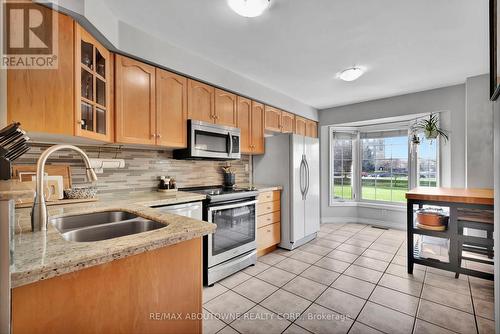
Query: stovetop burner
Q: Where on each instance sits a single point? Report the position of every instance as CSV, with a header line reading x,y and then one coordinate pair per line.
x,y
220,193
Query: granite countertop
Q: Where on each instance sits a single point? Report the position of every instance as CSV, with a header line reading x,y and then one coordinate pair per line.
x,y
13,189
45,254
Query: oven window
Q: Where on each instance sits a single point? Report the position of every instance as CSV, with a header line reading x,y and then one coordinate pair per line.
x,y
235,227
211,142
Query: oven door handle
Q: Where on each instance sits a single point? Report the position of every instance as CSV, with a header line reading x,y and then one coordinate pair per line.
x,y
230,206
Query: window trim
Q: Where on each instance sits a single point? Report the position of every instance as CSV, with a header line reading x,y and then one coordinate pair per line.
x,y
413,178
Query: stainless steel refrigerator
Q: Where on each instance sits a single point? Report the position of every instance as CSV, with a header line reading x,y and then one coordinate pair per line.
x,y
292,161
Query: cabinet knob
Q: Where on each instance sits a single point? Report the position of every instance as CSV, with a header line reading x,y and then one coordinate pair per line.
x,y
80,122
158,135
153,135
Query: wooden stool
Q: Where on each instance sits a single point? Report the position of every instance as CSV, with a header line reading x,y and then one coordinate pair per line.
x,y
478,220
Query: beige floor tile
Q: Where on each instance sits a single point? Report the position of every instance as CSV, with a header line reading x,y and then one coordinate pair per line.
x,y
363,273
343,256
343,233
292,265
275,276
282,252
336,237
375,254
484,308
228,330
305,288
365,237
351,249
271,258
424,327
400,284
446,273
210,293
329,227
320,320
446,317
332,264
235,279
255,289
354,286
358,242
341,302
306,257
396,300
211,324
359,328
374,264
448,298
260,321
228,306
320,275
326,243
285,302
485,326
294,329
447,283
400,260
390,241
383,248
316,249
482,288
385,319
256,269
401,271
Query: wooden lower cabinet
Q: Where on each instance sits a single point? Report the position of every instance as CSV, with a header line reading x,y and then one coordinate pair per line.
x,y
268,222
130,295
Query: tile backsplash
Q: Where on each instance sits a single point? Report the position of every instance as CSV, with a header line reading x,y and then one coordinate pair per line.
x,y
142,168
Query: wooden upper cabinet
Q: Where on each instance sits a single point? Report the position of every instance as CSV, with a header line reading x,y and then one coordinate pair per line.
x,y
300,125
43,100
287,122
273,119
258,114
225,108
312,129
92,87
244,107
201,101
135,102
171,109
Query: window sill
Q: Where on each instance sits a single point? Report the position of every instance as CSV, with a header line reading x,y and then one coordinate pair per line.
x,y
385,206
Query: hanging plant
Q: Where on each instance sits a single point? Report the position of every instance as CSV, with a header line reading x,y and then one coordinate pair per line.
x,y
430,128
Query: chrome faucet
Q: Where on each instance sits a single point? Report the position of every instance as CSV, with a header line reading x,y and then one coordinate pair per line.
x,y
39,211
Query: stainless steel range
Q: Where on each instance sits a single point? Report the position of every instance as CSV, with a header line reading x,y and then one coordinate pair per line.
x,y
232,247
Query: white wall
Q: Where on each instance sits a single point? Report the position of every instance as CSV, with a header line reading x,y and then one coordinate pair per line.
x,y
450,101
479,132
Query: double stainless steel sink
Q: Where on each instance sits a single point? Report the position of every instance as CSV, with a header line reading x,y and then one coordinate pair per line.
x,y
102,226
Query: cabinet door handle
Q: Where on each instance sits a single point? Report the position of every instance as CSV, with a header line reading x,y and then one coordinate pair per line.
x,y
153,135
158,135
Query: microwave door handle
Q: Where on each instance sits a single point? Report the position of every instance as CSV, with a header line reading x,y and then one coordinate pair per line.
x,y
230,144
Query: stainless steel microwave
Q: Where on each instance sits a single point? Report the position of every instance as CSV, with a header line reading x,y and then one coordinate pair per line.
x,y
210,141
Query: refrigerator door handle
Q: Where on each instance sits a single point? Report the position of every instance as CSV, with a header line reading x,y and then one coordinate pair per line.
x,y
306,190
302,178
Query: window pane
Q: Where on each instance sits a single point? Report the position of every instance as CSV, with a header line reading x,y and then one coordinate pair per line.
x,y
342,168
427,162
384,171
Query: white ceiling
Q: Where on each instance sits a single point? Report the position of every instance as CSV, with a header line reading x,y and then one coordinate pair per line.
x,y
298,46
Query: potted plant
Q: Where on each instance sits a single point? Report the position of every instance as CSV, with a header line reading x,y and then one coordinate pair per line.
x,y
430,128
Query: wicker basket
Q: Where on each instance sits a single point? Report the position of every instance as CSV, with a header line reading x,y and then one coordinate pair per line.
x,y
432,217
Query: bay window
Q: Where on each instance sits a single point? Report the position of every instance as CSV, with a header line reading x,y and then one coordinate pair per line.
x,y
374,166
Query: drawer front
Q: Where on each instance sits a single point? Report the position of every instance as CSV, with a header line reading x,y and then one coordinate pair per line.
x,y
268,236
269,196
268,219
265,208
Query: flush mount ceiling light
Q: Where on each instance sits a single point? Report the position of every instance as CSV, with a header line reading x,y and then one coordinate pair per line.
x,y
351,74
249,8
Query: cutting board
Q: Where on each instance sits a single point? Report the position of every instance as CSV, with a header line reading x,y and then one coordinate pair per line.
x,y
27,171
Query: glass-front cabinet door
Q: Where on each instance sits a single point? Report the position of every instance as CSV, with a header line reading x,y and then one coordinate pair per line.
x,y
92,88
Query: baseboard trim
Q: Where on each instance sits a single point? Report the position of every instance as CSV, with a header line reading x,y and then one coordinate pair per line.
x,y
368,221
